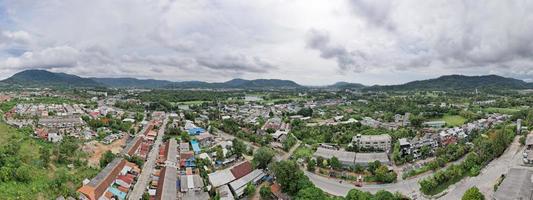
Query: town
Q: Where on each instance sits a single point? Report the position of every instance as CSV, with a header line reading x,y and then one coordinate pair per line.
x,y
140,144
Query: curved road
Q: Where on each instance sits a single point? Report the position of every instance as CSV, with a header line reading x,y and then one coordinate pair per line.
x,y
485,181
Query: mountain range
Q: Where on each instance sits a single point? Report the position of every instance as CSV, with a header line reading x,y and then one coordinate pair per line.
x,y
43,78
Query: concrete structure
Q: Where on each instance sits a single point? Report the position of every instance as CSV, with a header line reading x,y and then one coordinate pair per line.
x,y
350,159
518,184
377,142
220,177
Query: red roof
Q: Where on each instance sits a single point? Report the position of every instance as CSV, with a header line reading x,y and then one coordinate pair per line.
x,y
125,179
241,169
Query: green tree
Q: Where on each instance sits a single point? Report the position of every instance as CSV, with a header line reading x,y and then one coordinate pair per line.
x,y
249,190
265,193
335,163
106,158
238,147
355,194
290,177
384,195
220,153
311,165
473,194
262,157
311,193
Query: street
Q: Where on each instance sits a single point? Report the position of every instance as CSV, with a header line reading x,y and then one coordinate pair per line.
x,y
484,181
149,165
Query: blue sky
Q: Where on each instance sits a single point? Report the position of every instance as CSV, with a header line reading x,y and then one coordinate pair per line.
x,y
312,42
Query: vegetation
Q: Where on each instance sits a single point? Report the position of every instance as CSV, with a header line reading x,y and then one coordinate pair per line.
x,y
473,194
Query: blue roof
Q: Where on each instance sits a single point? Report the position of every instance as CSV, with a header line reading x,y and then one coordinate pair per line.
x,y
195,146
121,195
196,131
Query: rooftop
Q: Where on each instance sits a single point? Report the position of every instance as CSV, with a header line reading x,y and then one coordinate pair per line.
x,y
518,184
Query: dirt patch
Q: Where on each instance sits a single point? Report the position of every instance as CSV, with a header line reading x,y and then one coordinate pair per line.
x,y
96,149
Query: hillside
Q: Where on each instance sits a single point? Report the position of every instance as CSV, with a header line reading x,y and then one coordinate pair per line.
x,y
43,78
346,85
459,82
131,82
237,84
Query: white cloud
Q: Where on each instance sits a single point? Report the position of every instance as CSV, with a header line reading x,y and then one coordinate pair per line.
x,y
309,41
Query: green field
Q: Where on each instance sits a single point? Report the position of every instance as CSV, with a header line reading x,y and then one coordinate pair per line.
x,y
453,120
501,110
23,174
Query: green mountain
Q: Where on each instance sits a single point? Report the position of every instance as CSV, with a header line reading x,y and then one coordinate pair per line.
x,y
43,78
131,82
459,82
346,85
237,84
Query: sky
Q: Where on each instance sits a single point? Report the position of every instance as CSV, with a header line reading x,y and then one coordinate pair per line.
x,y
313,42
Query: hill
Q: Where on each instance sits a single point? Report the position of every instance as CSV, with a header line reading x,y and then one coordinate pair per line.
x,y
460,82
43,78
131,82
237,84
346,85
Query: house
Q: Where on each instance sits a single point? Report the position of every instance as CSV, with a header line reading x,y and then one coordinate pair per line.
x,y
374,142
517,184
434,124
187,159
225,193
191,183
184,146
100,183
255,177
166,186
221,177
195,146
54,136
413,146
132,146
346,158
195,131
279,136
276,191
205,139
241,169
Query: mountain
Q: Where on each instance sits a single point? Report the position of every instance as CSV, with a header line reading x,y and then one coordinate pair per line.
x,y
460,82
237,84
131,82
43,78
346,85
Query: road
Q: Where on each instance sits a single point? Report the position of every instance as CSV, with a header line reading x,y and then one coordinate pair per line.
x,y
149,165
485,181
512,157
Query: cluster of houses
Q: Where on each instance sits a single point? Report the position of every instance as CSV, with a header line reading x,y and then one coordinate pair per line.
x,y
112,182
44,110
231,182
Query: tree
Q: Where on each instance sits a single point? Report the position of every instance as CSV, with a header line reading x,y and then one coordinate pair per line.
x,y
249,190
319,161
473,194
265,193
220,153
355,194
262,157
185,137
384,195
106,158
311,165
45,156
290,177
311,193
238,147
335,163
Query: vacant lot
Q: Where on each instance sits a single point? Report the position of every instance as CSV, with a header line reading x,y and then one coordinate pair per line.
x,y
454,120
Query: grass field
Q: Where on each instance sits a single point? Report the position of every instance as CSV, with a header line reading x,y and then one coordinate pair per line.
x,y
453,120
501,110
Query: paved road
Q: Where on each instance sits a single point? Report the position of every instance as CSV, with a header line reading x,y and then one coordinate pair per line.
x,y
485,181
149,165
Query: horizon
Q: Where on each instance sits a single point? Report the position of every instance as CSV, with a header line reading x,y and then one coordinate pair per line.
x,y
313,43
177,81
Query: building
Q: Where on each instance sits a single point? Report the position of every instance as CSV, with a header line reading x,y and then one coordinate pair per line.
x,y
61,122
279,136
528,152
413,146
132,146
518,184
100,183
255,177
241,169
221,177
205,139
350,159
373,142
166,186
225,193
434,124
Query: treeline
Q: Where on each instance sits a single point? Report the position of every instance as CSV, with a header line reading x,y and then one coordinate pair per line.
x,y
294,182
187,95
486,148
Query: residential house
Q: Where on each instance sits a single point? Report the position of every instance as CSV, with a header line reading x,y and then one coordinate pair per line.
x,y
375,142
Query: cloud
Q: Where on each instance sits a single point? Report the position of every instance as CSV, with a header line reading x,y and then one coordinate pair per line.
x,y
320,40
237,63
49,58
